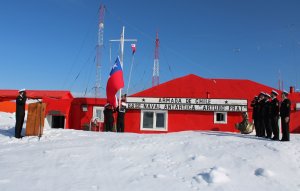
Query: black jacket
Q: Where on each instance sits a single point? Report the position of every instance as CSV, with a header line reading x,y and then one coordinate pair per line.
x,y
274,108
121,112
285,108
108,115
20,104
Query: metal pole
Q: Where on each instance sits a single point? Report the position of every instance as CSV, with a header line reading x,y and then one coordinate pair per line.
x,y
132,60
122,40
122,57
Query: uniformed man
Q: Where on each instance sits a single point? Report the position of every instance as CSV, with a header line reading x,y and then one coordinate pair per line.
x,y
254,105
20,112
274,115
285,110
121,110
108,117
261,121
266,115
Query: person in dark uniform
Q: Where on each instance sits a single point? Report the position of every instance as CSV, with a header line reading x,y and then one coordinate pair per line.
x,y
274,115
254,105
121,114
285,110
20,112
266,114
261,121
108,118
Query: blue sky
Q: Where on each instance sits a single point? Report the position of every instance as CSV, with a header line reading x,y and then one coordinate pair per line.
x,y
50,44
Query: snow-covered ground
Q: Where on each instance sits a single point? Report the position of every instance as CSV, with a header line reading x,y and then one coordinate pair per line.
x,y
70,160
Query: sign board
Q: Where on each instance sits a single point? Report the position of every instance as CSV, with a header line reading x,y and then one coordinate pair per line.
x,y
187,104
35,119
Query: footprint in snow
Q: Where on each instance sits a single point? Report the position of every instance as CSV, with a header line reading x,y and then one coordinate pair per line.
x,y
159,176
213,175
196,158
263,172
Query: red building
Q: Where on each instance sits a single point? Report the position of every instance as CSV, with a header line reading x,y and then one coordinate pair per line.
x,y
195,103
186,103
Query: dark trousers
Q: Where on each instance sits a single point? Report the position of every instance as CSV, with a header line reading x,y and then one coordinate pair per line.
x,y
275,128
109,126
120,125
19,125
268,127
256,126
261,128
285,128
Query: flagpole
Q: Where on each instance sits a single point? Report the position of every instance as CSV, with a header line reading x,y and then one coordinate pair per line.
x,y
122,40
122,56
130,73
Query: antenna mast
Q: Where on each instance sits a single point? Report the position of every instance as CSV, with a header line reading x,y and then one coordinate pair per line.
x,y
99,50
155,76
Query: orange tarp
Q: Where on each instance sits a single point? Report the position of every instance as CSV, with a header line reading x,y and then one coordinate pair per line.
x,y
9,106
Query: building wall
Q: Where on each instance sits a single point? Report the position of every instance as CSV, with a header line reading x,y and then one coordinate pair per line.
x,y
295,122
80,119
184,121
59,107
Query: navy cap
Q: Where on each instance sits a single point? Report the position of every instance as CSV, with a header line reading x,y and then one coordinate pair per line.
x,y
274,92
285,92
22,90
262,93
268,95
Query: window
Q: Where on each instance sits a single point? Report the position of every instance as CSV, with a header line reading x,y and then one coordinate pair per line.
x,y
98,112
220,117
154,120
84,108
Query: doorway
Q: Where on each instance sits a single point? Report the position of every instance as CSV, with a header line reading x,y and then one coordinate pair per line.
x,y
58,122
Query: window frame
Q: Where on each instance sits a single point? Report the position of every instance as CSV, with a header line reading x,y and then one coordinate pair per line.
x,y
220,122
95,108
154,128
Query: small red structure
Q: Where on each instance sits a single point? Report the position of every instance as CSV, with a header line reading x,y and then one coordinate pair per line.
x,y
58,104
62,109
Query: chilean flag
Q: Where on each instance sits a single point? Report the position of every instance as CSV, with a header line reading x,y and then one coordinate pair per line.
x,y
114,83
133,48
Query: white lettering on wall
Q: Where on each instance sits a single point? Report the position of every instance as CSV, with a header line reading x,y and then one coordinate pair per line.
x,y
188,104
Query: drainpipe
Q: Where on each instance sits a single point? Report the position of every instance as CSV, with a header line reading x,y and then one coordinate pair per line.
x,y
292,89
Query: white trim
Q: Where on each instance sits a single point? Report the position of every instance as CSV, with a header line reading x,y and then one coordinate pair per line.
x,y
154,120
193,101
220,122
95,108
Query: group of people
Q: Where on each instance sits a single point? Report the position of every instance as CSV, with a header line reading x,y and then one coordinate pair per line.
x,y
266,112
109,111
